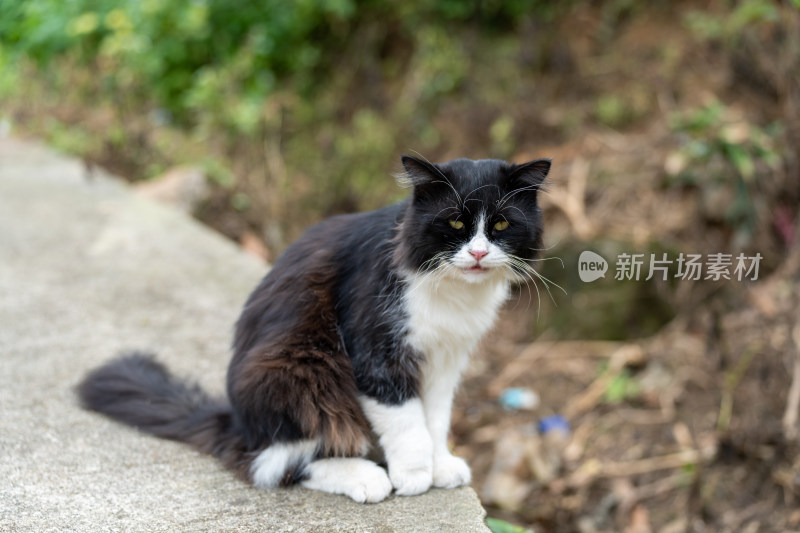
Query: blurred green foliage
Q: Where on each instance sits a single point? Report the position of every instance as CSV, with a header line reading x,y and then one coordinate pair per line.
x,y
726,156
730,27
194,55
622,387
291,105
501,526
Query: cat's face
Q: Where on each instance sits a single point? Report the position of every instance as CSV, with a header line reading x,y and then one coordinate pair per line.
x,y
473,220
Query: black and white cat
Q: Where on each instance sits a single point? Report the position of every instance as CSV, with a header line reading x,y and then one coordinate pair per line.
x,y
360,332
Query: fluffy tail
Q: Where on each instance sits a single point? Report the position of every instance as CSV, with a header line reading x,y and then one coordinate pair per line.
x,y
138,391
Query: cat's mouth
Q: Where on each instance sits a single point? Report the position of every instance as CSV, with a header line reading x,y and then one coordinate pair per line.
x,y
476,269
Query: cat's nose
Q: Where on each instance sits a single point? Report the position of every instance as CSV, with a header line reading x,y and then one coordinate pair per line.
x,y
478,254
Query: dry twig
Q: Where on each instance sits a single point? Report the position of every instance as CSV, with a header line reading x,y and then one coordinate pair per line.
x,y
571,200
626,355
793,399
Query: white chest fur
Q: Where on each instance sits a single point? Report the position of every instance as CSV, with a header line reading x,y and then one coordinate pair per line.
x,y
447,318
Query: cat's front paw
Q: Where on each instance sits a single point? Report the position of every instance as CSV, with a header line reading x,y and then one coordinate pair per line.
x,y
371,489
450,471
410,481
359,479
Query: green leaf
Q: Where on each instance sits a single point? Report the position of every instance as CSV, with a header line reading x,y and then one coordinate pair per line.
x,y
621,388
501,526
737,155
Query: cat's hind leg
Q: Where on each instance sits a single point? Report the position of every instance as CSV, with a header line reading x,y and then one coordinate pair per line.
x,y
359,479
283,463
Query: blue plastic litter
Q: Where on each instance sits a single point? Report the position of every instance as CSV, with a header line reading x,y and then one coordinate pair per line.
x,y
514,399
554,423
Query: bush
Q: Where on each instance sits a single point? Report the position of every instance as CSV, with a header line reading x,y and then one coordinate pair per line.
x,y
276,100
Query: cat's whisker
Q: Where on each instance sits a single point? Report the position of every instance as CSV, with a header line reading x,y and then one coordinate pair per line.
x,y
446,268
458,197
513,193
454,208
522,281
522,271
479,188
545,249
546,286
551,282
522,264
551,258
439,265
545,281
520,212
541,276
436,257
413,288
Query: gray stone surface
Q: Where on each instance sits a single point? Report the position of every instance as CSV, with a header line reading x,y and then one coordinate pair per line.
x,y
88,269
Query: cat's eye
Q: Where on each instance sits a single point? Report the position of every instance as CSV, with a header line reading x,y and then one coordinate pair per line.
x,y
456,224
500,226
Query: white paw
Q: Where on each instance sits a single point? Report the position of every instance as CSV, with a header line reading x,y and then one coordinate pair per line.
x,y
450,471
410,481
370,488
359,479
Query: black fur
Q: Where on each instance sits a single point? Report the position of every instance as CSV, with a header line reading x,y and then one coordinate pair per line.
x,y
138,391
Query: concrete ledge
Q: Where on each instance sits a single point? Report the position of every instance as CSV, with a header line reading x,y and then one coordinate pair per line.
x,y
88,269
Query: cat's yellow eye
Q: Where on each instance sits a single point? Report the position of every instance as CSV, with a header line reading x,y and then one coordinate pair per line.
x,y
456,224
500,226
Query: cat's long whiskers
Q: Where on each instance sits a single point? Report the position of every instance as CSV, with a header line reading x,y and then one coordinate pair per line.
x,y
435,271
538,296
479,188
472,200
551,282
522,271
551,258
458,197
513,193
436,257
545,280
454,208
547,288
520,212
410,290
537,260
447,269
522,281
546,249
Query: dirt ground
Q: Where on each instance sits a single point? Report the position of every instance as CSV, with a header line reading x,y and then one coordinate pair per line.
x,y
706,441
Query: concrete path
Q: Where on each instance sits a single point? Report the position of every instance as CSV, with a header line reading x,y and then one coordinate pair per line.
x,y
88,269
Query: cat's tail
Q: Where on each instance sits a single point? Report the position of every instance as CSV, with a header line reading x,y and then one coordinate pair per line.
x,y
140,392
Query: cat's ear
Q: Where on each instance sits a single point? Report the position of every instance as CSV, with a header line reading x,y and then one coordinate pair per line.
x,y
530,174
426,178
419,171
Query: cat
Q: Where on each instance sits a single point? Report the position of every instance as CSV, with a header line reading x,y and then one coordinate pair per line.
x,y
355,340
